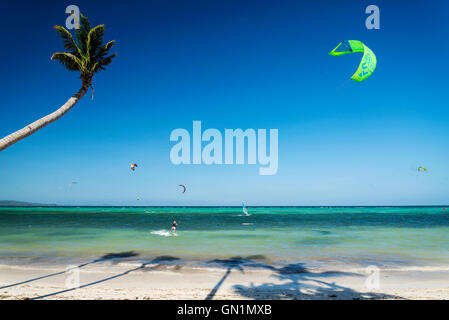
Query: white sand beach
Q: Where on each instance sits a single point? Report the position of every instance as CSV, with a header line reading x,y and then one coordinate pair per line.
x,y
107,280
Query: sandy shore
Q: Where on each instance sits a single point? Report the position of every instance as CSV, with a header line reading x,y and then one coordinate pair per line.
x,y
233,280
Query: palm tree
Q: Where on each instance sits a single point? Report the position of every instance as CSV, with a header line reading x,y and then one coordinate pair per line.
x,y
86,54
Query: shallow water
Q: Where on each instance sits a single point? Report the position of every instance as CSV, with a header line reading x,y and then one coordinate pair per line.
x,y
393,236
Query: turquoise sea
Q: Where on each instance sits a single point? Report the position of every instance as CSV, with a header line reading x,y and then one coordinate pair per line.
x,y
353,236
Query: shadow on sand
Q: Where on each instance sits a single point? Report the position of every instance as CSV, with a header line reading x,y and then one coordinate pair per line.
x,y
110,256
296,282
230,264
144,266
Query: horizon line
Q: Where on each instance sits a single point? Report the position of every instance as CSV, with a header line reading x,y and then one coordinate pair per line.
x,y
223,206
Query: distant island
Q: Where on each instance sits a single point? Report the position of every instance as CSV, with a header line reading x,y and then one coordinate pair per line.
x,y
10,203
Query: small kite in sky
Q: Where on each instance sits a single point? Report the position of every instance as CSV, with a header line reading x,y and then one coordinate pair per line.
x,y
181,185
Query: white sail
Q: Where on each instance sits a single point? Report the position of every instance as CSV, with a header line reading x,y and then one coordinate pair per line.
x,y
245,211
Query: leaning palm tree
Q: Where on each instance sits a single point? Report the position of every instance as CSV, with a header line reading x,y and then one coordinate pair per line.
x,y
86,54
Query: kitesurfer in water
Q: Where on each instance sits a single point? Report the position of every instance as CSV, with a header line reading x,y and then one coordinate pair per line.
x,y
173,228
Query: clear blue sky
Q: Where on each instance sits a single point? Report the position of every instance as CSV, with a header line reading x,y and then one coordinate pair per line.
x,y
231,64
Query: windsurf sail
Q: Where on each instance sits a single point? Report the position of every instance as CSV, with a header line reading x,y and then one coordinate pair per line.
x,y
245,211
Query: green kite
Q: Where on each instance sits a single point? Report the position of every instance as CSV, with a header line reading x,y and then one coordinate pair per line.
x,y
368,63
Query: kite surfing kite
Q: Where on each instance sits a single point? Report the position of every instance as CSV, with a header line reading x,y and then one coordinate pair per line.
x,y
181,185
368,62
422,169
133,166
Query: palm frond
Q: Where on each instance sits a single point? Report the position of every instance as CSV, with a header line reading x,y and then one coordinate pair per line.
x,y
82,33
69,43
95,40
85,23
70,61
104,62
104,50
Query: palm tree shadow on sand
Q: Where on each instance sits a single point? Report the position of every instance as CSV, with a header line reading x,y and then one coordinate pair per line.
x,y
113,257
297,282
231,264
144,266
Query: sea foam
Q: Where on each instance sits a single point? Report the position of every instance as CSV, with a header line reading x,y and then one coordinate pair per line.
x,y
163,233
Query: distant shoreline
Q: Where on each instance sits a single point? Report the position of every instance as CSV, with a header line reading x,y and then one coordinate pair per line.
x,y
13,203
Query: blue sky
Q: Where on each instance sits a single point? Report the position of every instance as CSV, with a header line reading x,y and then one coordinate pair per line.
x,y
231,64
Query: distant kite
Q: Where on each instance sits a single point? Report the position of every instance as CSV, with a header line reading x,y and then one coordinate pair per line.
x,y
422,169
181,185
368,62
138,198
133,166
72,183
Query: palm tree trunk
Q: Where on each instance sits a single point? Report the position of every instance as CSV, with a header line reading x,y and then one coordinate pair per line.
x,y
42,122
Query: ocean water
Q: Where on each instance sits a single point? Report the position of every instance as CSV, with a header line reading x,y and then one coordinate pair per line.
x,y
394,237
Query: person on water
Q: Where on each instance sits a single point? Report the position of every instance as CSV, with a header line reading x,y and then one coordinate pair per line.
x,y
173,228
